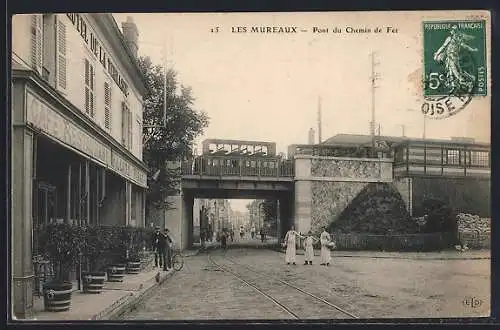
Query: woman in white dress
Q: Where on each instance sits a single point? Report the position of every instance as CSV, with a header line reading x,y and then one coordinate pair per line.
x,y
325,251
290,245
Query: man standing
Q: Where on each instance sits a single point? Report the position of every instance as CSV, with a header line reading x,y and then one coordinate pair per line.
x,y
325,251
252,231
159,245
169,244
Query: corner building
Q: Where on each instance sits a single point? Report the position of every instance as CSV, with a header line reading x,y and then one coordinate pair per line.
x,y
77,96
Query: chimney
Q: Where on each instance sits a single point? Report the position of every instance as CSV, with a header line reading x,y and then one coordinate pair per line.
x,y
311,136
131,35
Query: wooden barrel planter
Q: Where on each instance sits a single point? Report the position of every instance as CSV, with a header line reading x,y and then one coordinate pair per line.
x,y
116,273
93,282
133,266
57,296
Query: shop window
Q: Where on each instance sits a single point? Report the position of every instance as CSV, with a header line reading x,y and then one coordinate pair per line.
x,y
107,105
36,42
89,88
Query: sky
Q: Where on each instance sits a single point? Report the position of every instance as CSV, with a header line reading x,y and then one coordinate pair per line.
x,y
260,86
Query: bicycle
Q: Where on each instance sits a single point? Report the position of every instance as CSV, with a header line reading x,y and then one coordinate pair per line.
x,y
177,260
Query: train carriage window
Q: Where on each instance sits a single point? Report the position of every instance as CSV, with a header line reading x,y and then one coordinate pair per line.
x,y
264,150
271,165
480,158
452,157
248,163
253,163
216,162
229,162
264,164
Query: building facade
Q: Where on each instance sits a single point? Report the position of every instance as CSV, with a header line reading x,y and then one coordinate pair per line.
x,y
77,96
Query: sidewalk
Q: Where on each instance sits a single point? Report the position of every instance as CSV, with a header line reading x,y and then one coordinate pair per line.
x,y
115,299
440,255
255,243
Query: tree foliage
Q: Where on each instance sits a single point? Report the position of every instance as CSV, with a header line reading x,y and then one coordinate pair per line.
x,y
173,141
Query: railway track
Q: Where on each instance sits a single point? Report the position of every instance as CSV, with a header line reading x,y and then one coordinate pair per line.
x,y
296,302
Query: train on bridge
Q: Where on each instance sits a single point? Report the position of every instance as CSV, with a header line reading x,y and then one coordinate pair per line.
x,y
222,157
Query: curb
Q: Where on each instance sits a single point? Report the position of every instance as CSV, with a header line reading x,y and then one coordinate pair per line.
x,y
127,303
396,257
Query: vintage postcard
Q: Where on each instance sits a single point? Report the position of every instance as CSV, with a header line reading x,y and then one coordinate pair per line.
x,y
251,166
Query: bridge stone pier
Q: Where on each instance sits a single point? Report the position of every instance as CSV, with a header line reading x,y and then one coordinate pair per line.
x,y
324,186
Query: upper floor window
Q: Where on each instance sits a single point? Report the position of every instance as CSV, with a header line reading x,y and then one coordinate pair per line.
x,y
89,88
37,42
138,131
61,55
126,126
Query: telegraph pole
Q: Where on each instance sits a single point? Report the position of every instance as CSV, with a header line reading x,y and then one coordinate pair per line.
x,y
319,119
403,130
374,77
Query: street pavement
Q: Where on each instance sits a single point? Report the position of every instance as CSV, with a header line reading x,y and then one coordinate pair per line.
x,y
425,285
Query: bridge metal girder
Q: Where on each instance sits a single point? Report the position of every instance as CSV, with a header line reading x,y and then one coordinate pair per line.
x,y
237,185
235,194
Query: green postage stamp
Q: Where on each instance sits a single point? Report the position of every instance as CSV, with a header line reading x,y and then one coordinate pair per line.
x,y
455,58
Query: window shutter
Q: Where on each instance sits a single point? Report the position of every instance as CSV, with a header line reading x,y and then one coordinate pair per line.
x,y
36,42
92,97
87,91
107,105
61,55
130,132
124,123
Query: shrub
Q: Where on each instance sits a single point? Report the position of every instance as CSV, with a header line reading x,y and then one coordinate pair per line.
x,y
62,244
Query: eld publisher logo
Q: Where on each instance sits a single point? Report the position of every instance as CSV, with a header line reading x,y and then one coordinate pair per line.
x,y
472,302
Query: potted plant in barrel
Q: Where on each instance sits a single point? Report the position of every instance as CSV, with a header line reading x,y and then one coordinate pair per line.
x,y
94,248
62,244
117,248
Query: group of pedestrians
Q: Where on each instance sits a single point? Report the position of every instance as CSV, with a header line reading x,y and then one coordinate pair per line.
x,y
162,247
325,240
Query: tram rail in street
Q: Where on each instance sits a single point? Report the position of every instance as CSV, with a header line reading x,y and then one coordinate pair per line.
x,y
279,302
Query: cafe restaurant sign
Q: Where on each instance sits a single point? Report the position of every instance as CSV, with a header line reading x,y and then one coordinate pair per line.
x,y
44,117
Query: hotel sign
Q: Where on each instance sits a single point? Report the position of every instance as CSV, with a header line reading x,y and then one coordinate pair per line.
x,y
45,118
98,50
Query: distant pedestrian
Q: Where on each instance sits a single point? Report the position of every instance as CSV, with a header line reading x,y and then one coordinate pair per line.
x,y
252,232
309,249
223,239
290,241
325,250
231,233
242,232
262,234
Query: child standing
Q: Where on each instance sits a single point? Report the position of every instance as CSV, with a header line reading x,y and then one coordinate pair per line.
x,y
309,250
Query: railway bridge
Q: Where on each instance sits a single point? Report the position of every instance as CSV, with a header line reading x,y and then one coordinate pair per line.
x,y
314,184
